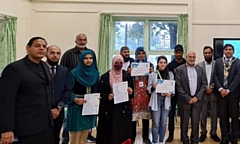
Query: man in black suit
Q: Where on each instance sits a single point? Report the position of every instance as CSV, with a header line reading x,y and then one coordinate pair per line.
x,y
61,88
26,98
227,81
190,84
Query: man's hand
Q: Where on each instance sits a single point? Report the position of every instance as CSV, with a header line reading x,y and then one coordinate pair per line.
x,y
224,92
129,70
7,137
190,101
209,90
194,99
79,101
55,113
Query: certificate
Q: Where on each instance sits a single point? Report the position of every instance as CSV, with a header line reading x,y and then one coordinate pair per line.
x,y
165,86
92,105
120,92
140,69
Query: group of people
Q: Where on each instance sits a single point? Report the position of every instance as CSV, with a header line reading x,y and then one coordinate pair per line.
x,y
34,93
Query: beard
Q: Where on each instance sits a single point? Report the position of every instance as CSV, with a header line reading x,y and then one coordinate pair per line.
x,y
208,60
81,46
126,59
52,63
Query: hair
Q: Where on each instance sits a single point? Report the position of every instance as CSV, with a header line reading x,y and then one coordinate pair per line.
x,y
165,72
30,42
228,45
124,48
81,34
207,47
52,46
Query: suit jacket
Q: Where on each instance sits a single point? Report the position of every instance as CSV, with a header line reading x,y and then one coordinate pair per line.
x,y
182,83
211,84
25,98
233,77
62,87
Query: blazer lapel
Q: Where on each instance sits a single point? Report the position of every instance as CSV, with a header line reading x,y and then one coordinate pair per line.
x,y
46,69
212,72
185,72
198,76
33,68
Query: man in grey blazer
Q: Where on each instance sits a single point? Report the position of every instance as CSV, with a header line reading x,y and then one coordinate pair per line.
x,y
190,84
209,98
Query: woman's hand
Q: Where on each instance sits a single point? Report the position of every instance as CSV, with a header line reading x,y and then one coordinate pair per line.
x,y
167,94
79,101
110,96
130,91
154,85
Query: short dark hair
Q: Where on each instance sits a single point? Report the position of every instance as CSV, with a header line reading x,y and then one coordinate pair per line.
x,y
30,42
124,48
228,45
207,47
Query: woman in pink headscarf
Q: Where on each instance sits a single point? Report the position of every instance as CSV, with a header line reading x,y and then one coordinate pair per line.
x,y
115,120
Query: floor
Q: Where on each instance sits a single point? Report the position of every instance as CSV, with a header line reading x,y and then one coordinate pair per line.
x,y
177,134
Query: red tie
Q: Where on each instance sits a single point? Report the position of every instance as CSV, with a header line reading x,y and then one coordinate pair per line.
x,y
53,72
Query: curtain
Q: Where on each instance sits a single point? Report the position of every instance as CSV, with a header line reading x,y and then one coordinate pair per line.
x,y
183,31
8,41
104,42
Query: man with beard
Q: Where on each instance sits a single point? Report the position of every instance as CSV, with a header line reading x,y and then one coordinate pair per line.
x,y
61,88
177,61
191,85
226,78
210,98
70,60
126,57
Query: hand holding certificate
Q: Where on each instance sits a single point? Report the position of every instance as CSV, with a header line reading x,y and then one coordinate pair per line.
x,y
165,86
140,69
120,92
92,105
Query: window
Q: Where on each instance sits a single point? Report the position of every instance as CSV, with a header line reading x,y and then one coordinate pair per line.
x,y
157,35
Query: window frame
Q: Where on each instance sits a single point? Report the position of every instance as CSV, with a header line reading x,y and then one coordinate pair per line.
x,y
146,21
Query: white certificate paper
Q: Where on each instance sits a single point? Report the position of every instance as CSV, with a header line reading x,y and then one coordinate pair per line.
x,y
140,69
165,86
120,92
92,105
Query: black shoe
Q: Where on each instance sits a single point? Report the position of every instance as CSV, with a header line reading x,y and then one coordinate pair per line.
x,y
215,138
170,138
202,138
224,142
91,139
147,141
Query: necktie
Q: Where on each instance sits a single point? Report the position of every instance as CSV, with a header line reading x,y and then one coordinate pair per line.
x,y
53,72
225,80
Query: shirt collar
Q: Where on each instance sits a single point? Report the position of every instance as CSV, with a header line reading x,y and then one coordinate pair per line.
x,y
50,65
208,63
189,66
230,59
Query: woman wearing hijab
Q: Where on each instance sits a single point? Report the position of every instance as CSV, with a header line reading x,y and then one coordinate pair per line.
x,y
84,80
115,120
141,98
160,103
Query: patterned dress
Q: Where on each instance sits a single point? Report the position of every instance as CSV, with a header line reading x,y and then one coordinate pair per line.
x,y
141,99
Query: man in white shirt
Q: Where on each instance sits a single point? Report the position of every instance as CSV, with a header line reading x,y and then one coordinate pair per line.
x,y
209,98
126,57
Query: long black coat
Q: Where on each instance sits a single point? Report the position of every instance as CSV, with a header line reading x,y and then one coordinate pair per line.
x,y
115,120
